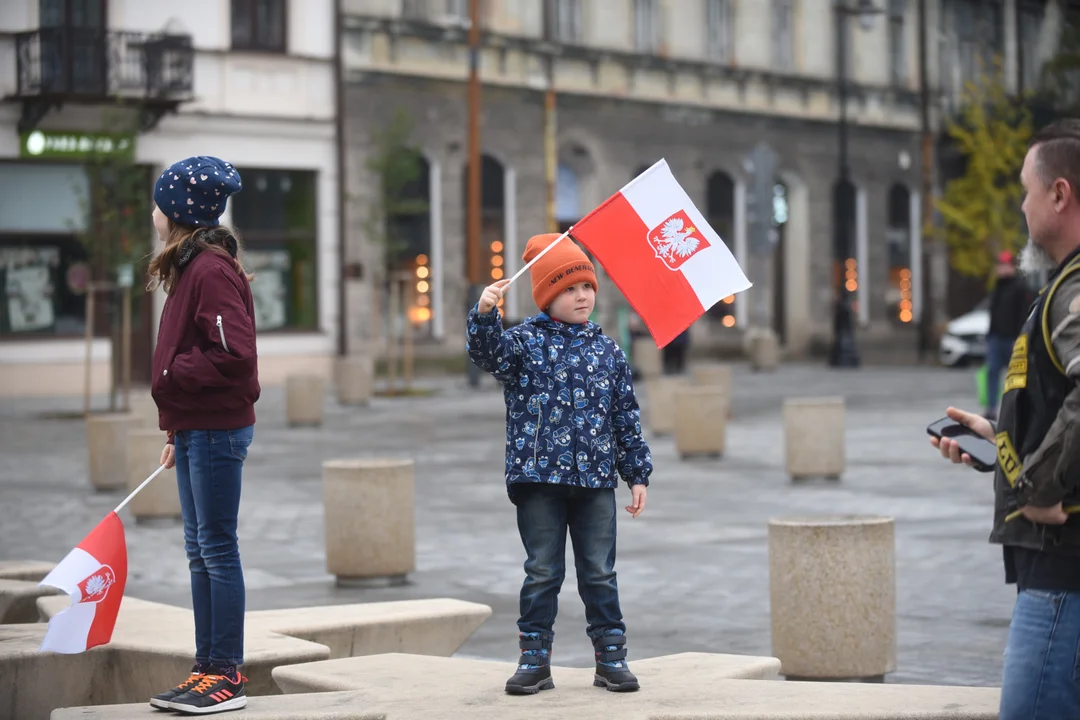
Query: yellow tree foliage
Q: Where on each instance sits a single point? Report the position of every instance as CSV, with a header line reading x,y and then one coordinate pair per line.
x,y
980,210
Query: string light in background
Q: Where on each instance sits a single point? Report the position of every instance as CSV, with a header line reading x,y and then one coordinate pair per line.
x,y
421,311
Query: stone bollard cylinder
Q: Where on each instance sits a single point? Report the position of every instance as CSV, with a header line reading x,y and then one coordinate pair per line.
x,y
832,590
160,499
370,523
814,437
355,379
660,393
701,421
304,400
106,445
648,359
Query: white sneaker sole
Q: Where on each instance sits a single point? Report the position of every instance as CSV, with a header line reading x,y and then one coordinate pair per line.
x,y
232,704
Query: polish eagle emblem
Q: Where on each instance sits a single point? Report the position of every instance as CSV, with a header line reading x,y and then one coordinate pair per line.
x,y
676,240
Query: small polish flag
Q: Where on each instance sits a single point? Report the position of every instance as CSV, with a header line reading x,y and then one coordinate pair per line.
x,y
659,251
94,575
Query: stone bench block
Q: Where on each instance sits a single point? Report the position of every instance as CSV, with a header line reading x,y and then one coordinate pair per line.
x,y
153,645
369,519
354,673
106,444
34,570
701,420
160,500
422,627
814,437
832,590
355,379
660,394
304,400
18,600
647,358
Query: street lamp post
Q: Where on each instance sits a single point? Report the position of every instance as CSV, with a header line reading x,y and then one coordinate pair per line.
x,y
845,352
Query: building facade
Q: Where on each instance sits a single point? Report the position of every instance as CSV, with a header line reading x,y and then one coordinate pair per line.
x,y
250,81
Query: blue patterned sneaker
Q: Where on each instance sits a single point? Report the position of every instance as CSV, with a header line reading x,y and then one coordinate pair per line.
x,y
612,672
534,666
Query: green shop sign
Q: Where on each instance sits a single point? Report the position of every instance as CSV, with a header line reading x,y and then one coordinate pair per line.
x,y
55,144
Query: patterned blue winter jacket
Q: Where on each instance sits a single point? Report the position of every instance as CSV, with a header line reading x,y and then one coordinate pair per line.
x,y
571,414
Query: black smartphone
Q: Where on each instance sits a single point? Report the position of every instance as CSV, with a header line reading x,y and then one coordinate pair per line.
x,y
983,452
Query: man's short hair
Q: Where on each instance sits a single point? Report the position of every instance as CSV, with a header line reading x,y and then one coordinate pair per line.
x,y
1058,154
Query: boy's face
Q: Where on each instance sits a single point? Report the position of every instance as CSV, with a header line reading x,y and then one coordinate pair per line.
x,y
575,304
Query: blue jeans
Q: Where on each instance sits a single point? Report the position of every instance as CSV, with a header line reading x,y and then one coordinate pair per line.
x,y
544,514
998,354
1042,657
208,467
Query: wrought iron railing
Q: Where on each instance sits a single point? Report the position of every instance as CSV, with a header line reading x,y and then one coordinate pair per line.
x,y
91,63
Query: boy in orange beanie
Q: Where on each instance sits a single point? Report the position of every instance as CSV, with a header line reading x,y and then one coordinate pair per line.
x,y
572,428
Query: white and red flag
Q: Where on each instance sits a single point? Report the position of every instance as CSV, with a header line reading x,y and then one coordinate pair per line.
x,y
94,575
661,253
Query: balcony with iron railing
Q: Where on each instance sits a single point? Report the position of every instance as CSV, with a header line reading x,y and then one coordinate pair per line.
x,y
151,71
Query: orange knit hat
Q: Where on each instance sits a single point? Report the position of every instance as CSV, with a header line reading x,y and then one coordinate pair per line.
x,y
564,266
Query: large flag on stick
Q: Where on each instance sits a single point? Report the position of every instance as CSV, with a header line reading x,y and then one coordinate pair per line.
x,y
661,253
94,575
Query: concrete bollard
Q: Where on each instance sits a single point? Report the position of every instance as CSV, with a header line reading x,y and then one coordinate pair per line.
x,y
814,437
106,446
701,421
304,400
648,359
369,520
832,590
144,409
355,379
160,499
763,348
713,375
660,392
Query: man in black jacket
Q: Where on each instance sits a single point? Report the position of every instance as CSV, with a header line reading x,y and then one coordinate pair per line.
x,y
1037,477
1009,305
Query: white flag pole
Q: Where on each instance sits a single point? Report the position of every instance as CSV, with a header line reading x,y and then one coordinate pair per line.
x,y
138,489
542,253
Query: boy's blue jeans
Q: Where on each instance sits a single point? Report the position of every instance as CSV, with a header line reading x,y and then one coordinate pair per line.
x,y
544,514
1042,657
208,467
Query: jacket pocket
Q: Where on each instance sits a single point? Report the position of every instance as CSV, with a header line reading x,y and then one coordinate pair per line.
x,y
162,381
221,334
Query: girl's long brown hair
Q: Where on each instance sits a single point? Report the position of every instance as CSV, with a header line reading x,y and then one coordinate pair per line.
x,y
165,268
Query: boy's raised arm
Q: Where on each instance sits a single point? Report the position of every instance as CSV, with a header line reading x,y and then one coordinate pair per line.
x,y
493,349
633,455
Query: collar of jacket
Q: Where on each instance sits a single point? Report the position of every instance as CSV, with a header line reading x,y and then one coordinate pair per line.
x,y
547,322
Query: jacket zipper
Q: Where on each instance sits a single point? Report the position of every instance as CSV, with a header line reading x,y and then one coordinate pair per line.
x,y
221,332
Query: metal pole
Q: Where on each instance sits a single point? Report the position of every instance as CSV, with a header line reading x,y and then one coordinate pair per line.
x,y
550,146
925,314
473,239
125,346
342,190
89,347
844,352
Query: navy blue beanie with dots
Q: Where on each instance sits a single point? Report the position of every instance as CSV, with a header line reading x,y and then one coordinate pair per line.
x,y
193,192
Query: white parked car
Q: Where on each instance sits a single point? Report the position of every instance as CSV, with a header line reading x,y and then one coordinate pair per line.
x,y
964,340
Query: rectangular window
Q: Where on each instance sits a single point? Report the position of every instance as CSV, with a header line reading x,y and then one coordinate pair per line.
x,y
258,25
898,57
719,30
275,216
783,35
562,21
646,26
42,286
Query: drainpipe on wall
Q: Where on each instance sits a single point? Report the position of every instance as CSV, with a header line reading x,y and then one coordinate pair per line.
x,y
339,122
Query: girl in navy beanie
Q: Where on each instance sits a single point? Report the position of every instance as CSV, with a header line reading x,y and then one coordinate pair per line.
x,y
205,384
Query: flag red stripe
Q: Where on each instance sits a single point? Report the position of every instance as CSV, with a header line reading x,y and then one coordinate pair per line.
x,y
615,234
106,542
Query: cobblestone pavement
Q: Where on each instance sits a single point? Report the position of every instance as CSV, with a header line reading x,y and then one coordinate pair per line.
x,y
693,569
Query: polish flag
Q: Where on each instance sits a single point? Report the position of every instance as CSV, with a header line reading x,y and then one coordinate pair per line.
x,y
94,575
658,250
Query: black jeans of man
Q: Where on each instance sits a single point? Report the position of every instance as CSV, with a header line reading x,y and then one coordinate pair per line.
x,y
545,513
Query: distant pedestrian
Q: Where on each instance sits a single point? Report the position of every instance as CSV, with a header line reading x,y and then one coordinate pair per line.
x,y
1009,305
205,384
572,428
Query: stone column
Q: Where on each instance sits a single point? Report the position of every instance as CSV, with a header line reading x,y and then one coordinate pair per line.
x,y
832,592
106,445
160,499
701,420
814,437
369,520
304,400
355,377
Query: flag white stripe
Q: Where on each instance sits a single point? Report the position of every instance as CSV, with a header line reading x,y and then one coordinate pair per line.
x,y
69,629
713,273
72,570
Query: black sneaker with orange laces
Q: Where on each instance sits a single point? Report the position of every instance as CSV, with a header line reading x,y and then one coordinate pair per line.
x,y
162,700
219,690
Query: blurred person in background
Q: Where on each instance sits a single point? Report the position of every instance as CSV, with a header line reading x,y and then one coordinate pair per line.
x,y
1009,305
